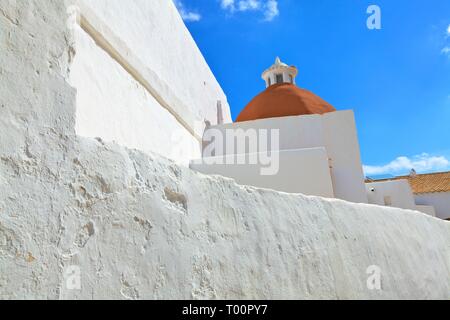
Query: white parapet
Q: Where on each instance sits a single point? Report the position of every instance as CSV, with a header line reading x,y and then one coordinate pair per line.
x,y
303,171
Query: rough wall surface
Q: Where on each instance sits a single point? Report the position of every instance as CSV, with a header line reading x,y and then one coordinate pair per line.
x,y
142,227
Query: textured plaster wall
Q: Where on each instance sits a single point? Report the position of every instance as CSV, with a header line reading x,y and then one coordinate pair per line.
x,y
140,227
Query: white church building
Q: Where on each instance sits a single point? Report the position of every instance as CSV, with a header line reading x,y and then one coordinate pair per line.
x,y
316,146
289,139
286,139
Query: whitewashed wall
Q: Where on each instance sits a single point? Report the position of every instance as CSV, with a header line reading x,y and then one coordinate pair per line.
x,y
112,105
303,171
342,144
156,34
440,201
153,41
399,193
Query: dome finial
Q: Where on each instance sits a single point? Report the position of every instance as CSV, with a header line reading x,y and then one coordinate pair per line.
x,y
279,72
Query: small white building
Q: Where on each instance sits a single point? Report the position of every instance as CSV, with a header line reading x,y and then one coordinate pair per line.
x,y
396,193
429,193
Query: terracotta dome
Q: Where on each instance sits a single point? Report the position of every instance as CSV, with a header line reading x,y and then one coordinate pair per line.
x,y
283,100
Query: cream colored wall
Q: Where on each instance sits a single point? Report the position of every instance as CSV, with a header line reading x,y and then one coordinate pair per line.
x,y
399,192
336,132
141,80
303,171
440,201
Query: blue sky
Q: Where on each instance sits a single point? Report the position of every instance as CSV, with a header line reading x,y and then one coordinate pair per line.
x,y
397,79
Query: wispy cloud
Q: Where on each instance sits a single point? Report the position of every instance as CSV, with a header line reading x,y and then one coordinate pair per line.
x,y
227,4
401,165
187,15
246,5
269,8
446,49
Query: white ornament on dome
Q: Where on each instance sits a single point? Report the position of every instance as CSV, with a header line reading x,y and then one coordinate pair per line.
x,y
279,73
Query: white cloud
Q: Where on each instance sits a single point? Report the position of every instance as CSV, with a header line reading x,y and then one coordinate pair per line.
x,y
402,165
227,4
446,49
269,8
191,16
245,5
188,16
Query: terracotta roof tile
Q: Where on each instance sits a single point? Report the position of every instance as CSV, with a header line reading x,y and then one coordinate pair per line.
x,y
427,183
